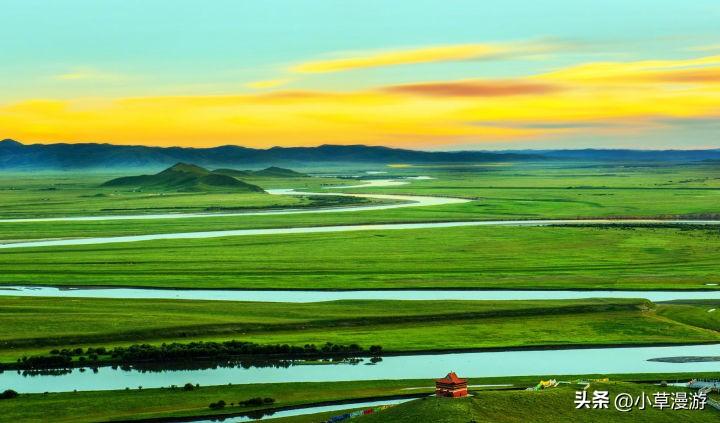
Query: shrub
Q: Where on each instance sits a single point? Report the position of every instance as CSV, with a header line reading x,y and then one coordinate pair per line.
x,y
188,387
8,394
217,405
253,402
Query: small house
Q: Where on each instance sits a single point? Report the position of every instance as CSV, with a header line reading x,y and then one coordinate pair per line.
x,y
451,386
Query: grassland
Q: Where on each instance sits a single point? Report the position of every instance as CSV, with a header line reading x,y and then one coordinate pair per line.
x,y
550,405
703,314
148,403
81,194
521,191
640,258
470,257
35,325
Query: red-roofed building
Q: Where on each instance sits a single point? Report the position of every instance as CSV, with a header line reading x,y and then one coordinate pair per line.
x,y
451,386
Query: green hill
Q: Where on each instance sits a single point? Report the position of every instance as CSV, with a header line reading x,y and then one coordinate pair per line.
x,y
278,172
268,172
184,177
233,172
549,406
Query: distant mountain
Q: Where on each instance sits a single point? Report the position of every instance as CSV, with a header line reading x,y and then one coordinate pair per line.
x,y
278,172
184,177
271,172
627,155
233,172
15,155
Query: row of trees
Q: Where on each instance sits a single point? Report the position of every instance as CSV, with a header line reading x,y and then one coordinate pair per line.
x,y
183,352
252,402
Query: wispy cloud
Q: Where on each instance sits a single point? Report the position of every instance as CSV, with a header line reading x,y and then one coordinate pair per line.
x,y
268,83
475,88
410,56
613,99
87,74
705,48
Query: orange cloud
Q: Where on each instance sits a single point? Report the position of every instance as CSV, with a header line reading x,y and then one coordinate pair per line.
x,y
475,88
711,75
617,97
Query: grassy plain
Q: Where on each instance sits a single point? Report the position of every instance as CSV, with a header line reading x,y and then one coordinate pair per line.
x,y
81,194
491,257
35,325
469,257
550,405
519,191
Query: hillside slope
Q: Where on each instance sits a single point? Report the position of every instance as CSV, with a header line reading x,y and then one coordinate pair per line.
x,y
268,172
550,406
184,177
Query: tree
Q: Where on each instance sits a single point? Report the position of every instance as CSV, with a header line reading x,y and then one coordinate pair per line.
x,y
8,394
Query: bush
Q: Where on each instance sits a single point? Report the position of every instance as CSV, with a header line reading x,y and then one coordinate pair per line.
x,y
217,405
268,400
253,402
188,387
8,394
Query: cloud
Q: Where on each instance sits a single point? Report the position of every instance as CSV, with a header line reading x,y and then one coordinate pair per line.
x,y
268,83
442,53
88,75
701,69
711,75
612,99
712,47
475,88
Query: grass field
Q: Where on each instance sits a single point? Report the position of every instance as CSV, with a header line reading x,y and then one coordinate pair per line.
x,y
81,194
470,257
521,191
398,326
638,258
552,405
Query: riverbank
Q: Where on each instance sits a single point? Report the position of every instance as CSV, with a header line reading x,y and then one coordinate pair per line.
x,y
466,258
398,326
168,403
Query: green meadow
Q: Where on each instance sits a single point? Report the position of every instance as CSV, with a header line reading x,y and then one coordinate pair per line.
x,y
468,257
521,191
398,326
623,257
553,405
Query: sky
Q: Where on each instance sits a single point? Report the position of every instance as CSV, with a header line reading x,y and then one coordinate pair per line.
x,y
435,75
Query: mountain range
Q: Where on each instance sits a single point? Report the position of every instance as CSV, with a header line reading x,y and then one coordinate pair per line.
x,y
64,156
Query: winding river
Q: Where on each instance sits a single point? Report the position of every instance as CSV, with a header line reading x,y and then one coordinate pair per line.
x,y
399,201
312,296
421,366
476,364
